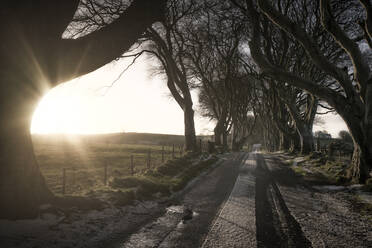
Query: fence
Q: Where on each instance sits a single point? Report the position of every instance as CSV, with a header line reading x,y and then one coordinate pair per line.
x,y
73,180
335,149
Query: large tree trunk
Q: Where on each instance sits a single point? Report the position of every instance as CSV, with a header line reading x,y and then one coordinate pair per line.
x,y
238,144
33,57
22,187
295,144
306,140
234,139
367,125
190,138
284,142
224,141
361,162
218,134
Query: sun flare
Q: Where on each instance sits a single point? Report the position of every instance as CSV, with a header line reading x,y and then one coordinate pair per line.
x,y
136,103
57,114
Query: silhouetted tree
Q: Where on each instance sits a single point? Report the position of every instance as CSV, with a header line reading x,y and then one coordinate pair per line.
x,y
168,45
345,136
34,58
214,50
323,134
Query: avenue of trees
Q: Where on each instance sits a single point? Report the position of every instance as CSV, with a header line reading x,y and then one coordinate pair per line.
x,y
329,35
263,70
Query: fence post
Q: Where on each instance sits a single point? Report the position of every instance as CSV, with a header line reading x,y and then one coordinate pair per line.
x,y
74,176
339,155
201,148
63,181
180,151
162,154
105,176
131,165
173,151
149,159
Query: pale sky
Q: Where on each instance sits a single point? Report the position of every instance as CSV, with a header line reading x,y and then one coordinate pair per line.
x,y
333,124
137,102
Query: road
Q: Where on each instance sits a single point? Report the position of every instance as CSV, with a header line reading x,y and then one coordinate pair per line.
x,y
250,200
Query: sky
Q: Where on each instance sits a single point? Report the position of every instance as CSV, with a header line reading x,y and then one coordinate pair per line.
x,y
138,101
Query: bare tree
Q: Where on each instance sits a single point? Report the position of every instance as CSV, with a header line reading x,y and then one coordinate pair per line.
x,y
242,111
273,108
168,45
350,95
214,50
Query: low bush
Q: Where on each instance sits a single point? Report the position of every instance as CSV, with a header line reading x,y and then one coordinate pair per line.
x,y
145,186
173,167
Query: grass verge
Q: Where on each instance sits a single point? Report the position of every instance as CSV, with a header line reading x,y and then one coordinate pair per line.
x,y
321,170
163,180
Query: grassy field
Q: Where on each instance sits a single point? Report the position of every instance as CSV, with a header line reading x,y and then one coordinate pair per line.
x,y
84,159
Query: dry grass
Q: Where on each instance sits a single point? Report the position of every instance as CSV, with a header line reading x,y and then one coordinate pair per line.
x,y
85,161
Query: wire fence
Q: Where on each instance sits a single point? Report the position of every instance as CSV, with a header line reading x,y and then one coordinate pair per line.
x,y
73,179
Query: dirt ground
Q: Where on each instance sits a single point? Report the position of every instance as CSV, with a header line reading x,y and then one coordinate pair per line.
x,y
327,217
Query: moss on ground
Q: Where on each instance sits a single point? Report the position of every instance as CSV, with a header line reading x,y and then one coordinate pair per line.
x,y
320,169
169,177
335,171
299,171
123,197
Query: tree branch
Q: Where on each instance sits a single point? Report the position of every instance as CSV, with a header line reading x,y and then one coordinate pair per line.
x,y
73,58
309,45
361,68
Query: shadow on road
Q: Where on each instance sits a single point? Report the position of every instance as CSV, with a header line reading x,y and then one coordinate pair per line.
x,y
275,225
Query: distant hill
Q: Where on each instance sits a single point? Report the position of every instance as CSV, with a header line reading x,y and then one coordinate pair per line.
x,y
113,138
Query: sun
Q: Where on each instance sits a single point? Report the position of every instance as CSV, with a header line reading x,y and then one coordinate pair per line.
x,y
135,103
57,113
